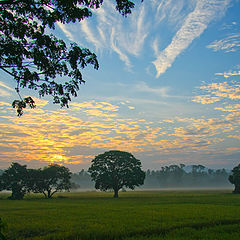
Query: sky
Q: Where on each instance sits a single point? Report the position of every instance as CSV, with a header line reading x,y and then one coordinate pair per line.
x,y
167,91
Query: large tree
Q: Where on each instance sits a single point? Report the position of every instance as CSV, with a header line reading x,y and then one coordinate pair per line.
x,y
37,60
115,170
15,179
49,180
234,178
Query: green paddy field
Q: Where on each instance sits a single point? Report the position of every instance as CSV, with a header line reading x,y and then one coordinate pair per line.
x,y
148,215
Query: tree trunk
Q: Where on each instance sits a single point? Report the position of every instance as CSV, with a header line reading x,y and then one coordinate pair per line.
x,y
49,194
115,193
44,194
237,189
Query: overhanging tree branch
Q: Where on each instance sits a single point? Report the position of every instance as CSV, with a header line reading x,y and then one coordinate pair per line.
x,y
31,53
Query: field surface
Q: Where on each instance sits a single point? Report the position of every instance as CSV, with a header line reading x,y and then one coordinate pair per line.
x,y
149,215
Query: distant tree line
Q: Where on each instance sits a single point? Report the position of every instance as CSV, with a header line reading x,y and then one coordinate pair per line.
x,y
111,171
175,176
81,180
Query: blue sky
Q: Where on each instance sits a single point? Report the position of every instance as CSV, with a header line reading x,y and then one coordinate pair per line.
x,y
167,91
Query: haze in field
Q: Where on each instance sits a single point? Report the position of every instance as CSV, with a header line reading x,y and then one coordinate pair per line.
x,y
167,91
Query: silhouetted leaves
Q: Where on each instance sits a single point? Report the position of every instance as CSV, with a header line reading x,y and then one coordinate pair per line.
x,y
49,180
21,104
234,178
115,170
37,60
15,180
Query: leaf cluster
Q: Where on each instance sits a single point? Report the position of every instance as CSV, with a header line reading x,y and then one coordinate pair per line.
x,y
21,104
39,61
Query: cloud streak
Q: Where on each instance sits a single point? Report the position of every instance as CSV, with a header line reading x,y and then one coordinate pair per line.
x,y
5,90
128,37
228,44
194,25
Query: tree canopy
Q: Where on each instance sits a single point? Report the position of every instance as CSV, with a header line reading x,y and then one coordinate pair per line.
x,y
39,61
15,180
115,170
49,180
234,178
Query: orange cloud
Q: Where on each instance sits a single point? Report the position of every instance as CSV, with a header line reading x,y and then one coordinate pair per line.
x,y
217,92
229,74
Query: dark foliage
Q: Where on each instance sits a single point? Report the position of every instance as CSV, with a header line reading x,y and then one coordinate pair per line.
x,y
49,180
15,180
175,176
39,61
115,170
234,178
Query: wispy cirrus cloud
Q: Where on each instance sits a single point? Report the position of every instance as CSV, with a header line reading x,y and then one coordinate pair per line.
x,y
143,87
114,46
228,44
89,35
66,30
187,20
5,90
194,25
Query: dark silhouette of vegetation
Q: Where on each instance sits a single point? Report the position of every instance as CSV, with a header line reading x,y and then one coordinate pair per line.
x,y
115,170
55,178
234,178
175,176
15,180
37,60
49,180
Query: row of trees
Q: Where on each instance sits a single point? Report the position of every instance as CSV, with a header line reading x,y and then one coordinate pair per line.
x,y
49,180
113,170
182,176
173,176
110,170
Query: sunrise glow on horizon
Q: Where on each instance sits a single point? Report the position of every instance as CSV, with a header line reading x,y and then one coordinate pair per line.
x,y
167,91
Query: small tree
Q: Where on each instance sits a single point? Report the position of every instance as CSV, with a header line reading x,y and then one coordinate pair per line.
x,y
234,178
49,180
15,180
115,170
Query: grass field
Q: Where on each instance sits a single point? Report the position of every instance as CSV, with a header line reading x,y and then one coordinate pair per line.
x,y
135,215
